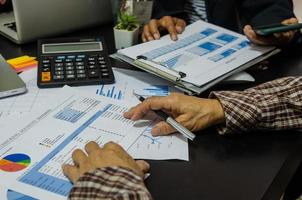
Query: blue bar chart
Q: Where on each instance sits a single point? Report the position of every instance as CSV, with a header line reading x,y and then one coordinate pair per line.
x,y
179,44
155,90
110,92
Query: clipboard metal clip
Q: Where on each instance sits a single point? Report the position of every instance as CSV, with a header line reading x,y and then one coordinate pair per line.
x,y
181,74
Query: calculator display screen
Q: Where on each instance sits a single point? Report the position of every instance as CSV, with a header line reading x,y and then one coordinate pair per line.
x,y
72,47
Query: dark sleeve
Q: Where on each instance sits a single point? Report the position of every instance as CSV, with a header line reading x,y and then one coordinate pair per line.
x,y
168,8
275,105
116,183
263,12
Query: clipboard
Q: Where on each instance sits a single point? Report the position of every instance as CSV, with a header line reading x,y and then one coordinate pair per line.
x,y
149,56
186,87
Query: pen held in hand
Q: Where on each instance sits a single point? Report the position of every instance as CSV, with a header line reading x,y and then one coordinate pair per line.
x,y
184,131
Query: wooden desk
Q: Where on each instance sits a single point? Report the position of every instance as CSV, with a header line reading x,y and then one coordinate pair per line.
x,y
220,167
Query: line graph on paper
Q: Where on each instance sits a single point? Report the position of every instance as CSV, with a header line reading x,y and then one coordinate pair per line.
x,y
161,147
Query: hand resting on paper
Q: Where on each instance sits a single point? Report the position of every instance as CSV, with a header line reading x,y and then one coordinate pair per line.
x,y
110,155
175,26
192,112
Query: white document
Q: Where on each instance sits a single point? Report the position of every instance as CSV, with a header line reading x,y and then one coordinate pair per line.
x,y
33,101
203,52
127,81
32,152
174,146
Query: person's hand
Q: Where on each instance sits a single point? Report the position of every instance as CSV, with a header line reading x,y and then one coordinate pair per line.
x,y
2,2
109,156
192,112
276,39
172,24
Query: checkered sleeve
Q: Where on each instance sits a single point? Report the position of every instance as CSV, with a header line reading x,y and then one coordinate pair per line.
x,y
114,183
273,105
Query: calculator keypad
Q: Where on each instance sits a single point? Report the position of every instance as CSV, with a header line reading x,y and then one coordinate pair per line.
x,y
75,70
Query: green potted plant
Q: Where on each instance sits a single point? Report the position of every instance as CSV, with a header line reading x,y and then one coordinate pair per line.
x,y
126,30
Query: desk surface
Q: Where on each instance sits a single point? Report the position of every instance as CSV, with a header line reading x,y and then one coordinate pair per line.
x,y
220,167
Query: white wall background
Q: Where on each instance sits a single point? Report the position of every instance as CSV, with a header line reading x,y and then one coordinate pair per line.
x,y
298,9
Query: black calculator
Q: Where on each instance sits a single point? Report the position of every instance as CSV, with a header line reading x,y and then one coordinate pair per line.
x,y
73,61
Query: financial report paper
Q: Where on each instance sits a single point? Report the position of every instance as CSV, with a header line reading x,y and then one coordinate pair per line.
x,y
174,146
32,152
203,52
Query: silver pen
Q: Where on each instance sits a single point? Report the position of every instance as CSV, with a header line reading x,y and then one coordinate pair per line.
x,y
183,130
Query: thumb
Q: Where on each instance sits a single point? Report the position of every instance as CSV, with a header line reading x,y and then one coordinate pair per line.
x,y
143,165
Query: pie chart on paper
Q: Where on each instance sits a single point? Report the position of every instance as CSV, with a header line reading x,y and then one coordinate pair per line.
x,y
14,162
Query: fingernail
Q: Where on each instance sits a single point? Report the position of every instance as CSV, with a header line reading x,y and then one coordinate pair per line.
x,y
179,29
156,36
174,37
126,114
150,38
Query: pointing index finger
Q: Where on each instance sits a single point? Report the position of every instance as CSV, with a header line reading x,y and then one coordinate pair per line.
x,y
152,103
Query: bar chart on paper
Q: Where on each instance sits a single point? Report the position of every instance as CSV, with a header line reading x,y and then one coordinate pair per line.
x,y
111,92
73,112
179,44
125,91
195,46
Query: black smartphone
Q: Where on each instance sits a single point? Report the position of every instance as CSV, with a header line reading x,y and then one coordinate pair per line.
x,y
275,28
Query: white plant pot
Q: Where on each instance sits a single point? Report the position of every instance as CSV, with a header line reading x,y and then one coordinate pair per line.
x,y
124,38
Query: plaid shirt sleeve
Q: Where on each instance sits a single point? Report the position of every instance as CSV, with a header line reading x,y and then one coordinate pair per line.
x,y
273,105
115,183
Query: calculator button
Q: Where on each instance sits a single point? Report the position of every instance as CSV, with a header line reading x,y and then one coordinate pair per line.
x,y
81,56
69,72
80,67
105,75
68,64
80,71
79,60
59,65
102,62
59,72
70,76
103,66
60,57
71,57
81,75
58,60
58,77
46,65
45,61
70,68
59,68
91,63
46,69
68,60
101,58
91,67
93,73
45,76
79,63
104,70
